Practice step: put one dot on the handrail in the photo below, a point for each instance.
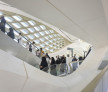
(92, 85)
(69, 64)
(21, 35)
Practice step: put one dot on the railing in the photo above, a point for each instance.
(62, 69)
(21, 35)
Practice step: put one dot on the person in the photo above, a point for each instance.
(2, 24)
(11, 33)
(53, 66)
(38, 53)
(74, 58)
(32, 47)
(63, 64)
(20, 39)
(41, 52)
(44, 64)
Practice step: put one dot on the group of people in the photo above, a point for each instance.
(57, 65)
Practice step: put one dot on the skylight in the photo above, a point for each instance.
(31, 36)
(47, 48)
(42, 45)
(42, 33)
(47, 37)
(7, 26)
(31, 30)
(37, 35)
(17, 25)
(25, 31)
(51, 45)
(47, 43)
(37, 28)
(16, 33)
(51, 50)
(42, 27)
(51, 36)
(37, 41)
(25, 24)
(24, 39)
(55, 35)
(1, 13)
(9, 19)
(42, 39)
(32, 22)
(51, 41)
(18, 18)
(51, 31)
(47, 32)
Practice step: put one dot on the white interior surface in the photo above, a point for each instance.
(84, 19)
(9, 45)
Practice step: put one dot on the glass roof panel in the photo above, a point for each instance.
(47, 48)
(37, 35)
(42, 45)
(42, 27)
(47, 43)
(47, 32)
(37, 41)
(1, 13)
(51, 50)
(31, 30)
(51, 36)
(7, 26)
(9, 19)
(25, 24)
(55, 35)
(47, 37)
(51, 31)
(51, 41)
(42, 33)
(17, 25)
(31, 36)
(25, 31)
(37, 28)
(42, 39)
(16, 33)
(32, 22)
(24, 39)
(18, 18)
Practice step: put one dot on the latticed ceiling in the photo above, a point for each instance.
(43, 36)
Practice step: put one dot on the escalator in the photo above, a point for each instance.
(9, 45)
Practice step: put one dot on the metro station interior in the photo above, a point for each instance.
(68, 28)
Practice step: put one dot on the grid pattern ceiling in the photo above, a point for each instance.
(43, 36)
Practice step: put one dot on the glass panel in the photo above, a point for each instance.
(25, 24)
(24, 39)
(51, 36)
(51, 50)
(25, 31)
(16, 33)
(51, 31)
(32, 22)
(18, 18)
(51, 45)
(7, 26)
(47, 32)
(42, 33)
(37, 41)
(42, 39)
(9, 19)
(17, 25)
(37, 35)
(31, 30)
(37, 28)
(55, 35)
(47, 37)
(1, 13)
(42, 45)
(43, 27)
(47, 48)
(31, 36)
(47, 43)
(51, 41)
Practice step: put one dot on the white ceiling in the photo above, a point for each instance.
(82, 18)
